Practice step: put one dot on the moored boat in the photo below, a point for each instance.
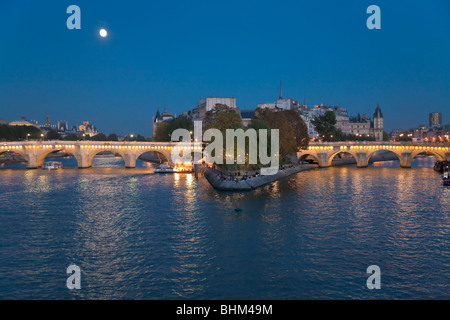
(446, 178)
(52, 165)
(164, 168)
(442, 166)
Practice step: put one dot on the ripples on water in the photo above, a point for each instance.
(137, 235)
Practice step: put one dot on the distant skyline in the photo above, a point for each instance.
(172, 54)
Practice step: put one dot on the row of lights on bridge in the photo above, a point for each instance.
(379, 147)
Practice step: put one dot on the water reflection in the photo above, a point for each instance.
(140, 235)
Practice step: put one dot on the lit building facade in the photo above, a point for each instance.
(435, 119)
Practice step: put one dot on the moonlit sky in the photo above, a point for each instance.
(171, 54)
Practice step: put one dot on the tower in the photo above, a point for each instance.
(281, 92)
(378, 128)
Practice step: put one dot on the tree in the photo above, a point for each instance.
(293, 131)
(112, 137)
(71, 137)
(53, 135)
(140, 138)
(165, 129)
(18, 133)
(99, 137)
(404, 136)
(221, 117)
(325, 125)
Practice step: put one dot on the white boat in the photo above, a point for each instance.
(164, 168)
(446, 178)
(52, 165)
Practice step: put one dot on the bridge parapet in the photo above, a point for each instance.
(84, 151)
(362, 151)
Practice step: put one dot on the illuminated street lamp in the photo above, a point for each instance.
(28, 136)
(42, 136)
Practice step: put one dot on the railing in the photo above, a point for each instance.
(381, 143)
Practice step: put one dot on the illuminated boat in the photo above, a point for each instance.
(446, 178)
(52, 165)
(442, 166)
(164, 168)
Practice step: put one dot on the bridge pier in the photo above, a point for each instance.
(32, 161)
(362, 161)
(405, 160)
(323, 159)
(83, 160)
(130, 159)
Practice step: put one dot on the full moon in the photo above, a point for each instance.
(103, 33)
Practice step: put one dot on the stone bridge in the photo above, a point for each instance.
(34, 152)
(363, 151)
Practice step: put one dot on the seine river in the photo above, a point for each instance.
(139, 235)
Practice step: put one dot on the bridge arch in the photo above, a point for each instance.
(439, 156)
(95, 152)
(13, 150)
(350, 152)
(372, 153)
(44, 154)
(165, 154)
(303, 156)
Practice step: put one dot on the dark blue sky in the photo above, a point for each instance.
(170, 54)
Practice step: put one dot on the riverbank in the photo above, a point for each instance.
(217, 180)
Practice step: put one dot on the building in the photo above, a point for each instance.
(342, 119)
(435, 119)
(281, 104)
(63, 126)
(23, 122)
(159, 118)
(378, 125)
(395, 133)
(360, 125)
(87, 129)
(198, 113)
(308, 114)
(3, 121)
(210, 102)
(246, 116)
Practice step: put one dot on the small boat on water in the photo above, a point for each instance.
(442, 166)
(164, 168)
(446, 178)
(52, 165)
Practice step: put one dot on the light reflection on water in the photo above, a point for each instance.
(139, 235)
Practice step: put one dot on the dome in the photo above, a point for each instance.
(21, 123)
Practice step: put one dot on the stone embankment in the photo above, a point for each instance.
(219, 182)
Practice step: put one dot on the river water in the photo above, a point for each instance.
(139, 235)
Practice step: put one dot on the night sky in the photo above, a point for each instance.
(171, 54)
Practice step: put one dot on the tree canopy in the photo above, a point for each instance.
(165, 129)
(292, 129)
(221, 117)
(326, 128)
(17, 133)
